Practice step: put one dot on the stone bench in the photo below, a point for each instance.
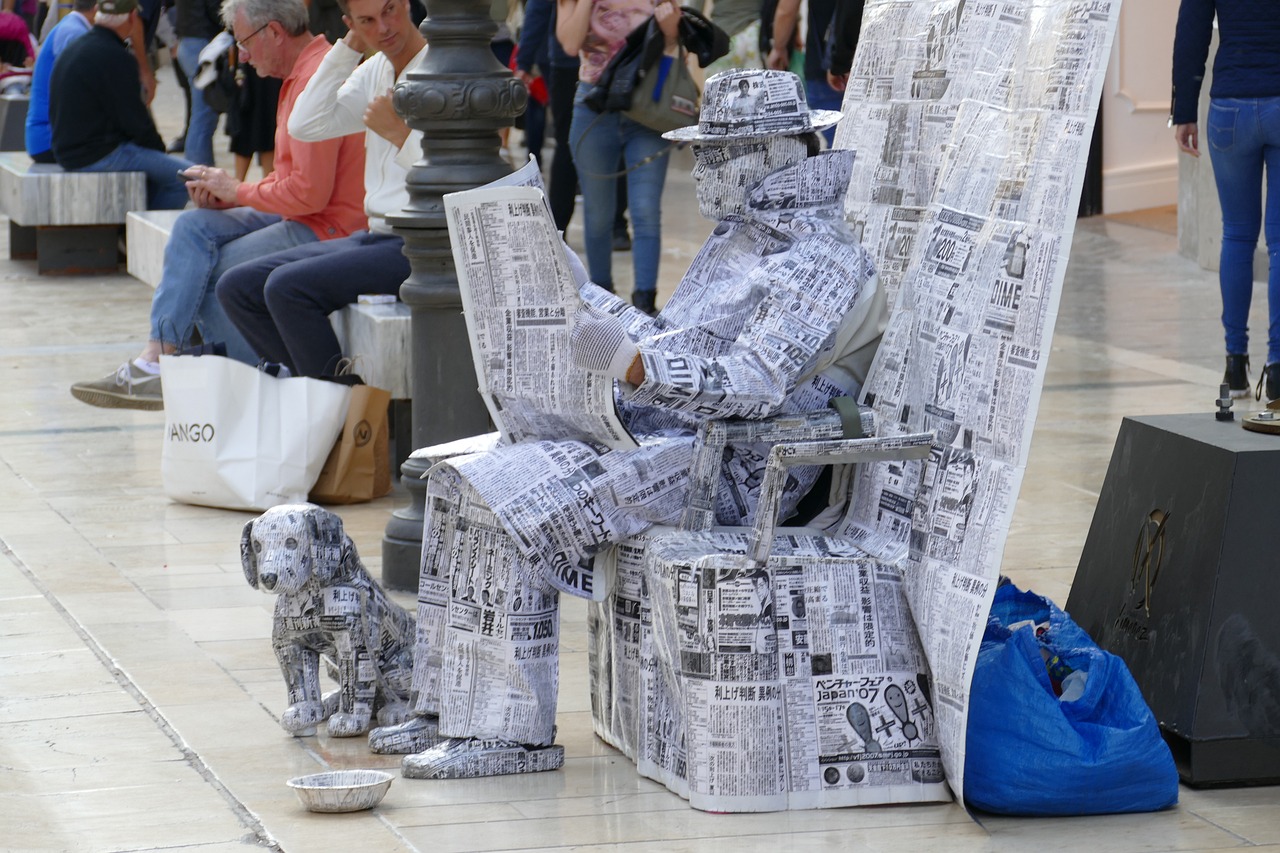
(13, 122)
(145, 234)
(377, 336)
(69, 222)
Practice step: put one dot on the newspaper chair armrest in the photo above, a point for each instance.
(714, 436)
(436, 453)
(855, 450)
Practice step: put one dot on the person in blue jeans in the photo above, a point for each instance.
(819, 43)
(97, 119)
(596, 31)
(196, 23)
(1243, 133)
(562, 81)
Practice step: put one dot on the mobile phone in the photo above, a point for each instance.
(182, 173)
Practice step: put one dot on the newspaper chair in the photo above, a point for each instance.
(757, 669)
(619, 626)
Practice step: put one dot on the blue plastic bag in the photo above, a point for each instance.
(1028, 752)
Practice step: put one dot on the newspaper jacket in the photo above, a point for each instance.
(780, 311)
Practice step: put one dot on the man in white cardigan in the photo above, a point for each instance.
(281, 302)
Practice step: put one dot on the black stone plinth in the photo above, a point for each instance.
(1180, 576)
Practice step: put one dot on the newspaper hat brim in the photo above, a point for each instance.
(818, 120)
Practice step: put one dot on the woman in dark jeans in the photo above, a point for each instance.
(596, 30)
(1243, 133)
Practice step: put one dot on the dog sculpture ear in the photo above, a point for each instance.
(248, 559)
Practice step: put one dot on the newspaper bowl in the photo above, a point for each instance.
(342, 790)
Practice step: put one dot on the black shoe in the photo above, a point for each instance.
(1271, 379)
(644, 300)
(621, 241)
(1237, 376)
(177, 146)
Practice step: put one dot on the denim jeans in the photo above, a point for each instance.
(596, 140)
(205, 244)
(821, 96)
(165, 190)
(1244, 142)
(204, 121)
(281, 302)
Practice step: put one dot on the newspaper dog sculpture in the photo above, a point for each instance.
(329, 605)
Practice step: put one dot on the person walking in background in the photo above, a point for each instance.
(196, 24)
(251, 121)
(1243, 133)
(562, 77)
(531, 63)
(846, 25)
(820, 40)
(596, 30)
(25, 9)
(740, 19)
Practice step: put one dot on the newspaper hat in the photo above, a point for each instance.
(741, 104)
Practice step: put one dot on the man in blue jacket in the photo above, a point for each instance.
(75, 24)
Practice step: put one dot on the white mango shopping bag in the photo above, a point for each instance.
(238, 438)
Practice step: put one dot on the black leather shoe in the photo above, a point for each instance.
(1236, 377)
(644, 300)
(1270, 378)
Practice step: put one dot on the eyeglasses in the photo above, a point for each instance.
(245, 41)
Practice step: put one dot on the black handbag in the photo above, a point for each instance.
(220, 95)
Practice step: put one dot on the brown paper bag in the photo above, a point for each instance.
(359, 466)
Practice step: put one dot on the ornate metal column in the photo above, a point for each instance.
(459, 97)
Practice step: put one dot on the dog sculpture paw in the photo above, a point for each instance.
(300, 719)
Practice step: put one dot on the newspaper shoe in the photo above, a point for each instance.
(416, 734)
(471, 758)
(129, 387)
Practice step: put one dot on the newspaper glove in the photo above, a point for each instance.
(599, 342)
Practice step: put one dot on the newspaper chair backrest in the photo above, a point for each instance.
(852, 450)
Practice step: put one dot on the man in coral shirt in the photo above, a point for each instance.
(315, 193)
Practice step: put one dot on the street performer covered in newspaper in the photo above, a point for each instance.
(781, 311)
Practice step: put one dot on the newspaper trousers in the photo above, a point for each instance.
(487, 658)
